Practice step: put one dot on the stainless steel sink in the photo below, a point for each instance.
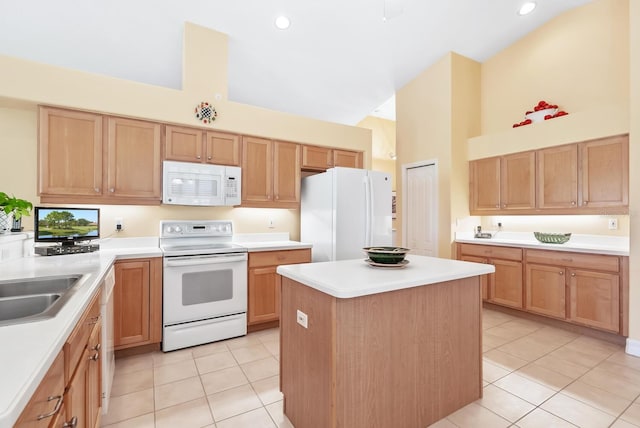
(34, 299)
(14, 308)
(42, 285)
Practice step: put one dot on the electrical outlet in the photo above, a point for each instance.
(119, 224)
(613, 223)
(270, 223)
(302, 319)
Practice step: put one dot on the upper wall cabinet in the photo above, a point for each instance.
(198, 145)
(315, 158)
(591, 177)
(270, 173)
(503, 183)
(90, 158)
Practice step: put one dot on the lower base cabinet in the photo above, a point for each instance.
(137, 303)
(264, 283)
(591, 290)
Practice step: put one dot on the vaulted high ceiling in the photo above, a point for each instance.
(338, 61)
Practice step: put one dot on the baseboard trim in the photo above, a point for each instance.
(633, 347)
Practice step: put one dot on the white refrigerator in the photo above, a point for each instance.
(343, 210)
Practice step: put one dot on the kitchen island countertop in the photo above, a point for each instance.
(355, 278)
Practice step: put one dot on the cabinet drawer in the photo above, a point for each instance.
(47, 397)
(574, 260)
(276, 258)
(491, 251)
(77, 340)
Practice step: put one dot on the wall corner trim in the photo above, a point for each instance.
(633, 347)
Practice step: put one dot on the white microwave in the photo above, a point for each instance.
(185, 183)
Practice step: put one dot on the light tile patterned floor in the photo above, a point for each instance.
(535, 376)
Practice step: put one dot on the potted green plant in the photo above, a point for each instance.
(14, 208)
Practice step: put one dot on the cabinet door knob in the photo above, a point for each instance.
(561, 272)
(586, 202)
(112, 190)
(504, 206)
(209, 157)
(497, 205)
(73, 423)
(573, 274)
(573, 202)
(97, 347)
(198, 157)
(94, 357)
(96, 190)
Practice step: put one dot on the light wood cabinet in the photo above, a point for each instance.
(504, 286)
(90, 158)
(585, 289)
(137, 302)
(94, 377)
(270, 173)
(316, 158)
(558, 177)
(69, 153)
(485, 185)
(133, 160)
(201, 146)
(605, 172)
(503, 183)
(518, 181)
(264, 283)
(545, 290)
(579, 178)
(47, 401)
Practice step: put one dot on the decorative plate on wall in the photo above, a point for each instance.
(206, 112)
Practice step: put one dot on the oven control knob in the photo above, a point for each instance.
(178, 229)
(169, 229)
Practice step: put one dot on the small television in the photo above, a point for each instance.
(66, 225)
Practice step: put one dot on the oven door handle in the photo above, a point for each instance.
(204, 260)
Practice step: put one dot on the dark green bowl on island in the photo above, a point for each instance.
(386, 255)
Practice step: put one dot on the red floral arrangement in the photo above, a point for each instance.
(542, 111)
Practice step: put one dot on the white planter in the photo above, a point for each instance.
(5, 222)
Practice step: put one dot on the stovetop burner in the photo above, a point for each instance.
(190, 237)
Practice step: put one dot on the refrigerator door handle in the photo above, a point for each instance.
(368, 209)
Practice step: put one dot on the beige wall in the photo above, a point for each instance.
(436, 113)
(34, 83)
(579, 60)
(634, 175)
(383, 137)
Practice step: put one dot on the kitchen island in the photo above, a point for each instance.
(380, 347)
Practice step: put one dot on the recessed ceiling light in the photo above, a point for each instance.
(527, 8)
(282, 22)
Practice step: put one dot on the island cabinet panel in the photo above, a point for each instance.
(404, 358)
(605, 172)
(484, 279)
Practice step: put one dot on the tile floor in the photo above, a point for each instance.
(535, 376)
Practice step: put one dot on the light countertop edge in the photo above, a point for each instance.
(568, 246)
(329, 277)
(35, 345)
(272, 245)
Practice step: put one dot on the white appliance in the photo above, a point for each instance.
(186, 183)
(204, 295)
(343, 210)
(108, 355)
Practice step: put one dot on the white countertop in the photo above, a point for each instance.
(354, 278)
(28, 350)
(597, 244)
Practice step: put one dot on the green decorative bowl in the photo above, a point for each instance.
(552, 238)
(386, 255)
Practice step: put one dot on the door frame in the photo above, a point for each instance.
(405, 167)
